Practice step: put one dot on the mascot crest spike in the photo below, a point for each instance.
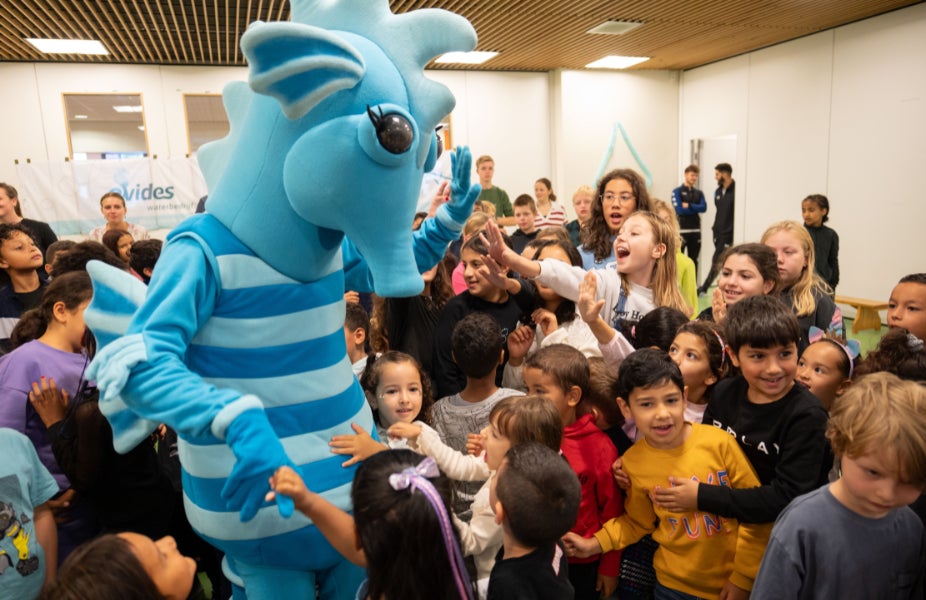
(238, 342)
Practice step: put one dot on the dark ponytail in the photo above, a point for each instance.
(71, 288)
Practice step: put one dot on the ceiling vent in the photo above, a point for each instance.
(615, 27)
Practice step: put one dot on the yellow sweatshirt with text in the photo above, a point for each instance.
(698, 552)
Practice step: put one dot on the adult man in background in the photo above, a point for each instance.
(689, 202)
(723, 220)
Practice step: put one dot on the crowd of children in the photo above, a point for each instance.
(553, 420)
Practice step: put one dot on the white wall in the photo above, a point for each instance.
(842, 113)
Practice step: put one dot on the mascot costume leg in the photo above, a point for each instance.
(238, 342)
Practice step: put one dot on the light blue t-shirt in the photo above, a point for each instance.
(24, 484)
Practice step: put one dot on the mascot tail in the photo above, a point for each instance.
(116, 297)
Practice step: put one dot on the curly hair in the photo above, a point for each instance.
(597, 236)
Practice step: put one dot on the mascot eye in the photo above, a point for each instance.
(393, 130)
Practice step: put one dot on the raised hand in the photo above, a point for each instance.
(462, 194)
(408, 431)
(588, 306)
(546, 319)
(718, 306)
(519, 343)
(48, 401)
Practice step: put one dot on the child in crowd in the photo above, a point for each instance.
(28, 537)
(554, 318)
(599, 402)
(801, 288)
(560, 373)
(51, 338)
(119, 243)
(474, 224)
(502, 298)
(687, 277)
(827, 365)
(550, 212)
(525, 211)
(409, 322)
(399, 392)
(856, 538)
(644, 279)
(620, 193)
(492, 194)
(701, 355)
(400, 530)
(478, 347)
(745, 270)
(80, 254)
(700, 554)
(582, 203)
(816, 211)
(898, 352)
(536, 500)
(20, 256)
(356, 332)
(143, 256)
(514, 421)
(59, 248)
(778, 424)
(125, 565)
(907, 305)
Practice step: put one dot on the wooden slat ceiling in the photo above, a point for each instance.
(531, 35)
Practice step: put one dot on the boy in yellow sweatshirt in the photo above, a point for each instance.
(700, 555)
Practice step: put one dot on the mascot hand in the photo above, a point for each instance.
(462, 194)
(258, 453)
(113, 364)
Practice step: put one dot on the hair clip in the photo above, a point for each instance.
(914, 343)
(852, 348)
(723, 348)
(416, 478)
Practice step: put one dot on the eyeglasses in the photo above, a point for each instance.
(621, 198)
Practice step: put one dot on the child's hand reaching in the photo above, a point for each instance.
(580, 547)
(519, 343)
(475, 443)
(681, 497)
(288, 483)
(360, 446)
(546, 319)
(494, 273)
(588, 306)
(409, 431)
(620, 477)
(48, 401)
(492, 236)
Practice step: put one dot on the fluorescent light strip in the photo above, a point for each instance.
(465, 58)
(52, 46)
(128, 108)
(616, 62)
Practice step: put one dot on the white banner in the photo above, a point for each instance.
(159, 193)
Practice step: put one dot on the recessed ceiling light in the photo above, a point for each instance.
(615, 27)
(80, 116)
(133, 108)
(616, 62)
(141, 127)
(465, 58)
(50, 46)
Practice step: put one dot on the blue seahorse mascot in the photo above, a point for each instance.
(238, 342)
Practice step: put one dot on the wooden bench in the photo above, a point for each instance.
(866, 312)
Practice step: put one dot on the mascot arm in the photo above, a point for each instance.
(162, 387)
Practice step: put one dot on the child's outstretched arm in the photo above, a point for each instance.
(455, 465)
(505, 256)
(360, 445)
(612, 343)
(336, 525)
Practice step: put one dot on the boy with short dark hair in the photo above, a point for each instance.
(561, 373)
(142, 257)
(700, 555)
(356, 332)
(20, 256)
(525, 212)
(778, 423)
(535, 496)
(478, 348)
(860, 522)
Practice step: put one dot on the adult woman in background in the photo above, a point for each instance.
(112, 205)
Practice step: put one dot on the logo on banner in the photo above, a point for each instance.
(138, 191)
